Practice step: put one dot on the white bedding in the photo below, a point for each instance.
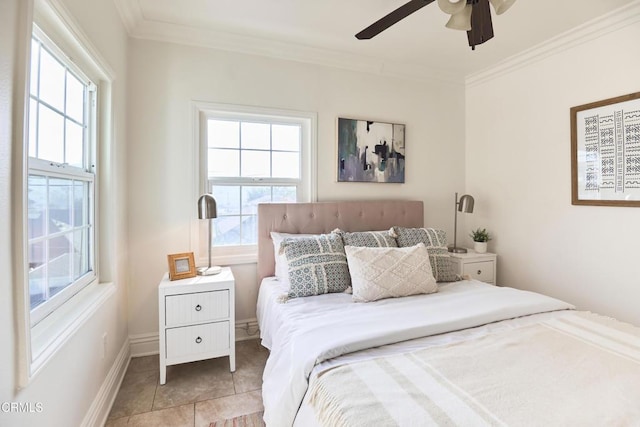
(314, 333)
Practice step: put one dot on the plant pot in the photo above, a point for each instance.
(480, 247)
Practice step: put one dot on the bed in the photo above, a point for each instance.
(468, 354)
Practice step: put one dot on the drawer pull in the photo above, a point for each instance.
(479, 272)
(198, 340)
(198, 307)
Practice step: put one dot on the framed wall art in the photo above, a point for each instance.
(181, 266)
(370, 151)
(605, 152)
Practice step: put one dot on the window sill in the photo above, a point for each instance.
(49, 335)
(234, 259)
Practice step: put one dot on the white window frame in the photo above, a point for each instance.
(306, 185)
(39, 343)
(50, 169)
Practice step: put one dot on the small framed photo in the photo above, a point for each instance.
(181, 266)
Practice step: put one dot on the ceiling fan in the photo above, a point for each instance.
(472, 16)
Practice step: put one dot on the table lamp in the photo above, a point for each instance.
(465, 204)
(207, 210)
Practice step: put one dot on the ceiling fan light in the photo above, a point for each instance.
(461, 20)
(501, 6)
(451, 7)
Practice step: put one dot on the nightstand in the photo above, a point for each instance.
(477, 266)
(197, 319)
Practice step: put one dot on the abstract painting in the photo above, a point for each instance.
(370, 151)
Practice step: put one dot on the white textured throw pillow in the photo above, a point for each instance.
(378, 273)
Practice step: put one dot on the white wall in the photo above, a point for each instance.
(518, 167)
(68, 384)
(164, 78)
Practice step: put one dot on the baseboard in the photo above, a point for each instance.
(101, 405)
(144, 344)
(247, 329)
(148, 344)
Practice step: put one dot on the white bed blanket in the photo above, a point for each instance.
(516, 377)
(312, 332)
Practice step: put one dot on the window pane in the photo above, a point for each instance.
(256, 164)
(80, 253)
(80, 203)
(50, 135)
(249, 230)
(256, 136)
(263, 166)
(35, 54)
(286, 164)
(33, 123)
(37, 274)
(52, 75)
(285, 137)
(37, 198)
(227, 199)
(59, 266)
(75, 98)
(223, 134)
(60, 192)
(223, 162)
(285, 194)
(74, 145)
(59, 215)
(251, 196)
(227, 230)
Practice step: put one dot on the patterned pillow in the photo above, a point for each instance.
(378, 273)
(317, 265)
(442, 265)
(282, 266)
(371, 239)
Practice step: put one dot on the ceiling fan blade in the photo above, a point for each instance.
(395, 16)
(481, 26)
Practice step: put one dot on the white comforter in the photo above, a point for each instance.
(315, 329)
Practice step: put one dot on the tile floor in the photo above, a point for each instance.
(195, 394)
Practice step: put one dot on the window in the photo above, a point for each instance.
(254, 157)
(61, 179)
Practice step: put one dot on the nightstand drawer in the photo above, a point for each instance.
(482, 271)
(197, 307)
(199, 339)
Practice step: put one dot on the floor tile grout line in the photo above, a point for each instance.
(233, 381)
(155, 393)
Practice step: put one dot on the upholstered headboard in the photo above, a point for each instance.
(323, 217)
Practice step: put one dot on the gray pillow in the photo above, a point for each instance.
(435, 240)
(370, 239)
(317, 265)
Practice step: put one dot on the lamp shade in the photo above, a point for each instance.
(461, 20)
(466, 204)
(452, 7)
(501, 6)
(207, 207)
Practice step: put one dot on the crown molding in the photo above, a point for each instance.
(596, 28)
(130, 13)
(141, 28)
(58, 20)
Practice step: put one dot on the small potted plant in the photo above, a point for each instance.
(480, 238)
